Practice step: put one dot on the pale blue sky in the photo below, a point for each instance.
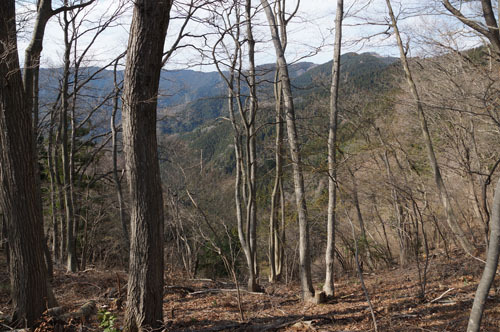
(312, 28)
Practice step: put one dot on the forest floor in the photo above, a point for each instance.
(206, 305)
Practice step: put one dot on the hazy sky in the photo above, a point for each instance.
(310, 32)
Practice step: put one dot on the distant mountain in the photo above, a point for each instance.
(355, 68)
(208, 98)
(358, 70)
(188, 98)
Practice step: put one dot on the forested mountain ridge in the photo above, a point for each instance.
(363, 73)
(189, 98)
(307, 78)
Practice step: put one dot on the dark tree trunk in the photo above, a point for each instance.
(144, 58)
(19, 192)
(4, 245)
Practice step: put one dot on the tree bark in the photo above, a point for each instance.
(490, 267)
(328, 288)
(3, 232)
(52, 176)
(142, 74)
(19, 193)
(293, 141)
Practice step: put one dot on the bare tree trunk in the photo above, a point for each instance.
(116, 178)
(328, 288)
(53, 208)
(304, 251)
(243, 135)
(60, 195)
(458, 233)
(251, 150)
(239, 186)
(48, 256)
(71, 149)
(274, 229)
(68, 202)
(280, 260)
(31, 88)
(19, 193)
(490, 267)
(142, 74)
(277, 233)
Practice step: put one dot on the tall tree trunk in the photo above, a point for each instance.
(19, 192)
(142, 74)
(490, 268)
(243, 234)
(31, 88)
(53, 208)
(33, 52)
(293, 141)
(277, 233)
(458, 233)
(71, 265)
(116, 178)
(72, 142)
(244, 138)
(60, 195)
(251, 150)
(280, 259)
(274, 229)
(332, 154)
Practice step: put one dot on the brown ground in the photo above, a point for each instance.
(214, 306)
